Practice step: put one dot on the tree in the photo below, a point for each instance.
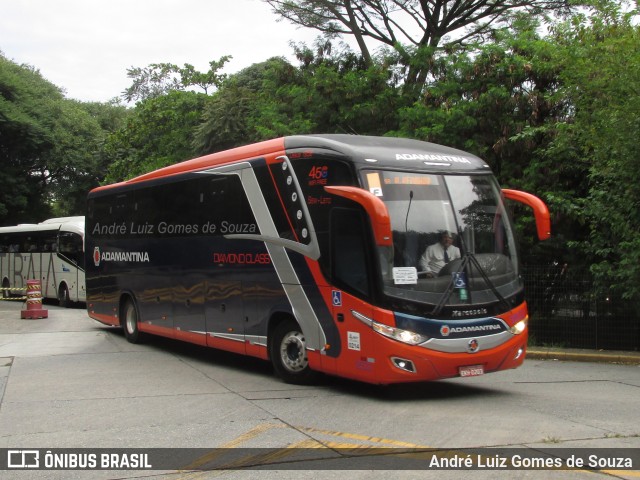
(48, 147)
(24, 137)
(483, 99)
(158, 132)
(331, 91)
(160, 78)
(504, 101)
(225, 120)
(601, 78)
(412, 28)
(84, 163)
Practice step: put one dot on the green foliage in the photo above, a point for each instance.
(433, 24)
(328, 93)
(48, 147)
(161, 78)
(224, 120)
(83, 131)
(226, 117)
(601, 78)
(24, 136)
(501, 102)
(331, 93)
(480, 100)
(158, 132)
(348, 99)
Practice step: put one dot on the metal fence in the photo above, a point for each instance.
(566, 310)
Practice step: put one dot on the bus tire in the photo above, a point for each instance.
(288, 354)
(129, 321)
(63, 296)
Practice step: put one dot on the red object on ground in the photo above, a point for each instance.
(34, 302)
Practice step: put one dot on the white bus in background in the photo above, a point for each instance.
(52, 252)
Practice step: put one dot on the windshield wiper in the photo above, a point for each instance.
(468, 258)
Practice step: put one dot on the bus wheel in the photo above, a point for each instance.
(129, 321)
(63, 296)
(288, 353)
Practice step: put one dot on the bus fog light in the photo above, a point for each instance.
(403, 364)
(519, 327)
(519, 353)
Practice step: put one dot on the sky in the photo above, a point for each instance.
(86, 46)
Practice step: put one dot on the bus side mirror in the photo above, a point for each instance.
(375, 208)
(540, 210)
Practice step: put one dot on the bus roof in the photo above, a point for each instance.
(387, 152)
(391, 152)
(71, 224)
(212, 160)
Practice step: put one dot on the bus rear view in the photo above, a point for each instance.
(383, 260)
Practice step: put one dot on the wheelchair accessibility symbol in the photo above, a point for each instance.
(459, 280)
(336, 298)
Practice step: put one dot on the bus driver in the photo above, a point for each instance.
(438, 255)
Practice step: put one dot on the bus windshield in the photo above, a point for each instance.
(452, 239)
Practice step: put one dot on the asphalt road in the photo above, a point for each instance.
(69, 382)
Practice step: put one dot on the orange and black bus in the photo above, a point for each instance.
(318, 253)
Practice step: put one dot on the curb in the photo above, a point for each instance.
(578, 355)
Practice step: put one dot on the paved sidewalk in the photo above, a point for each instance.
(583, 355)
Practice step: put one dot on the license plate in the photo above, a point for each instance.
(471, 371)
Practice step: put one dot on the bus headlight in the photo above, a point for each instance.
(404, 336)
(519, 327)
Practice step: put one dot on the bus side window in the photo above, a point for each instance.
(50, 242)
(349, 264)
